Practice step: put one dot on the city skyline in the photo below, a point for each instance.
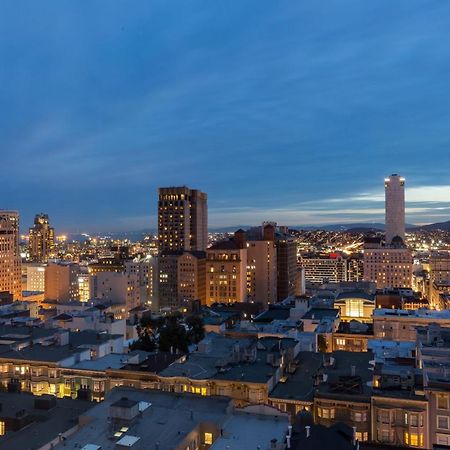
(305, 109)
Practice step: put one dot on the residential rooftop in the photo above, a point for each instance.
(40, 426)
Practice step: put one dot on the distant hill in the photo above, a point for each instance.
(435, 226)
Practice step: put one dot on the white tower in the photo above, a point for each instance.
(395, 208)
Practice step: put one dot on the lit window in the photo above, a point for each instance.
(2, 428)
(208, 438)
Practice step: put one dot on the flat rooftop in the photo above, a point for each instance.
(45, 424)
(417, 313)
(300, 384)
(169, 419)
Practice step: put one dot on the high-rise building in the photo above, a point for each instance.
(262, 271)
(10, 261)
(286, 267)
(182, 219)
(390, 265)
(42, 239)
(395, 209)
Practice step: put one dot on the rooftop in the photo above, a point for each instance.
(42, 425)
(320, 313)
(167, 421)
(299, 385)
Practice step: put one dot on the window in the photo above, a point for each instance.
(442, 402)
(384, 417)
(414, 420)
(340, 341)
(359, 416)
(326, 413)
(2, 428)
(443, 422)
(413, 439)
(443, 439)
(384, 436)
(208, 438)
(362, 436)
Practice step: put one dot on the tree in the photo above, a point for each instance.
(196, 329)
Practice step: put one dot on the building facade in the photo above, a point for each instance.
(61, 281)
(226, 273)
(395, 208)
(182, 219)
(10, 261)
(41, 239)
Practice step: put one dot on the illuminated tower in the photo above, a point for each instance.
(395, 209)
(10, 261)
(42, 239)
(182, 219)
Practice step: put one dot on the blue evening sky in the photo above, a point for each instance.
(292, 111)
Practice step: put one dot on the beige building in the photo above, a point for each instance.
(119, 288)
(226, 273)
(400, 421)
(401, 325)
(41, 239)
(262, 271)
(191, 277)
(61, 281)
(35, 274)
(10, 261)
(182, 219)
(388, 267)
(440, 266)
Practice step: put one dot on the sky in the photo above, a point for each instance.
(291, 111)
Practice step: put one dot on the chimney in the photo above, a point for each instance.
(300, 282)
(308, 431)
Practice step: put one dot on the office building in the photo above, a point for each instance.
(262, 271)
(325, 269)
(395, 209)
(286, 266)
(41, 239)
(10, 261)
(182, 219)
(35, 274)
(61, 281)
